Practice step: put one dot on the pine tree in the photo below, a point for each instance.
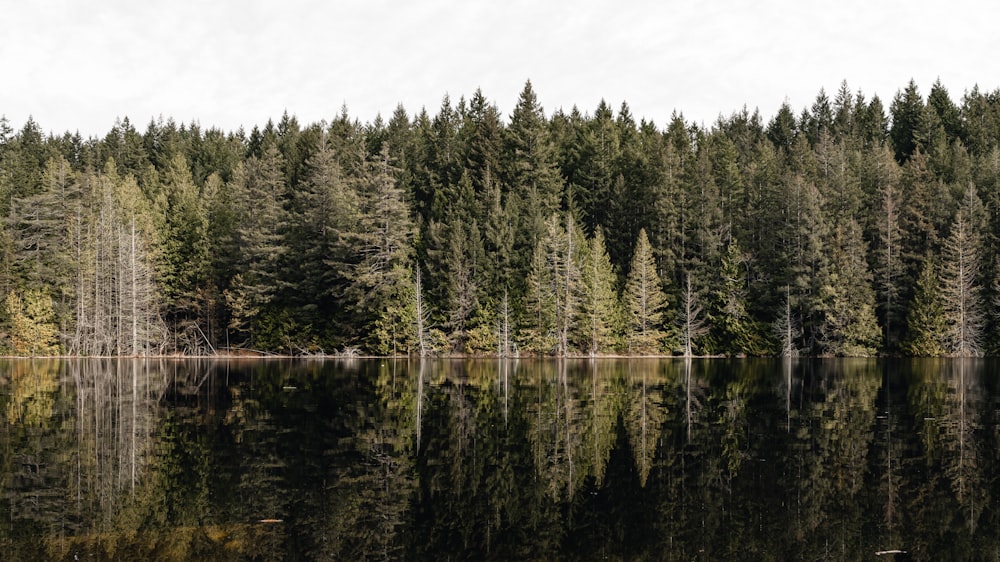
(907, 122)
(846, 301)
(259, 190)
(644, 300)
(737, 331)
(600, 306)
(925, 320)
(381, 281)
(185, 259)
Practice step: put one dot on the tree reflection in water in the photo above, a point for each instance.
(660, 459)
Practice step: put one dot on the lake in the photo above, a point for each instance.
(381, 459)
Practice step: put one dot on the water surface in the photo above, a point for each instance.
(486, 459)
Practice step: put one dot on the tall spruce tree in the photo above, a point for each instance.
(259, 192)
(644, 300)
(846, 302)
(925, 320)
(323, 237)
(382, 280)
(600, 304)
(907, 132)
(736, 331)
(531, 174)
(185, 260)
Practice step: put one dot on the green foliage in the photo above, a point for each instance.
(926, 320)
(846, 300)
(286, 238)
(644, 301)
(601, 309)
(738, 332)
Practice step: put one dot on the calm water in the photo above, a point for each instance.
(481, 460)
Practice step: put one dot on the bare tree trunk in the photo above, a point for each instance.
(422, 315)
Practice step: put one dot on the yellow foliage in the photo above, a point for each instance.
(33, 385)
(33, 329)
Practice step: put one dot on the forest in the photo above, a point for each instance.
(845, 229)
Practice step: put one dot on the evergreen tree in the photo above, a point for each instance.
(946, 111)
(555, 286)
(461, 264)
(886, 235)
(803, 231)
(323, 238)
(925, 320)
(531, 174)
(259, 190)
(600, 304)
(540, 330)
(381, 282)
(846, 301)
(783, 129)
(907, 130)
(736, 330)
(920, 218)
(702, 218)
(33, 330)
(40, 226)
(185, 260)
(644, 300)
(666, 169)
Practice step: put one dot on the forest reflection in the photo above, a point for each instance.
(660, 459)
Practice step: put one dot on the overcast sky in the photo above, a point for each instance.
(76, 65)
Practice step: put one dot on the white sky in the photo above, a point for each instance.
(76, 65)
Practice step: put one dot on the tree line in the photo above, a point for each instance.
(847, 229)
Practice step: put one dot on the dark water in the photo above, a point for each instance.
(481, 460)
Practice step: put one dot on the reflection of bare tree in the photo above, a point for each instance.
(693, 393)
(116, 416)
(889, 468)
(787, 367)
(960, 423)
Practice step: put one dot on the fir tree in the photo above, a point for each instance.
(925, 320)
(644, 300)
(600, 304)
(738, 332)
(848, 326)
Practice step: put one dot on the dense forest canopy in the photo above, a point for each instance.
(850, 229)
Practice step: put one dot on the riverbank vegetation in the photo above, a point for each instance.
(849, 228)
